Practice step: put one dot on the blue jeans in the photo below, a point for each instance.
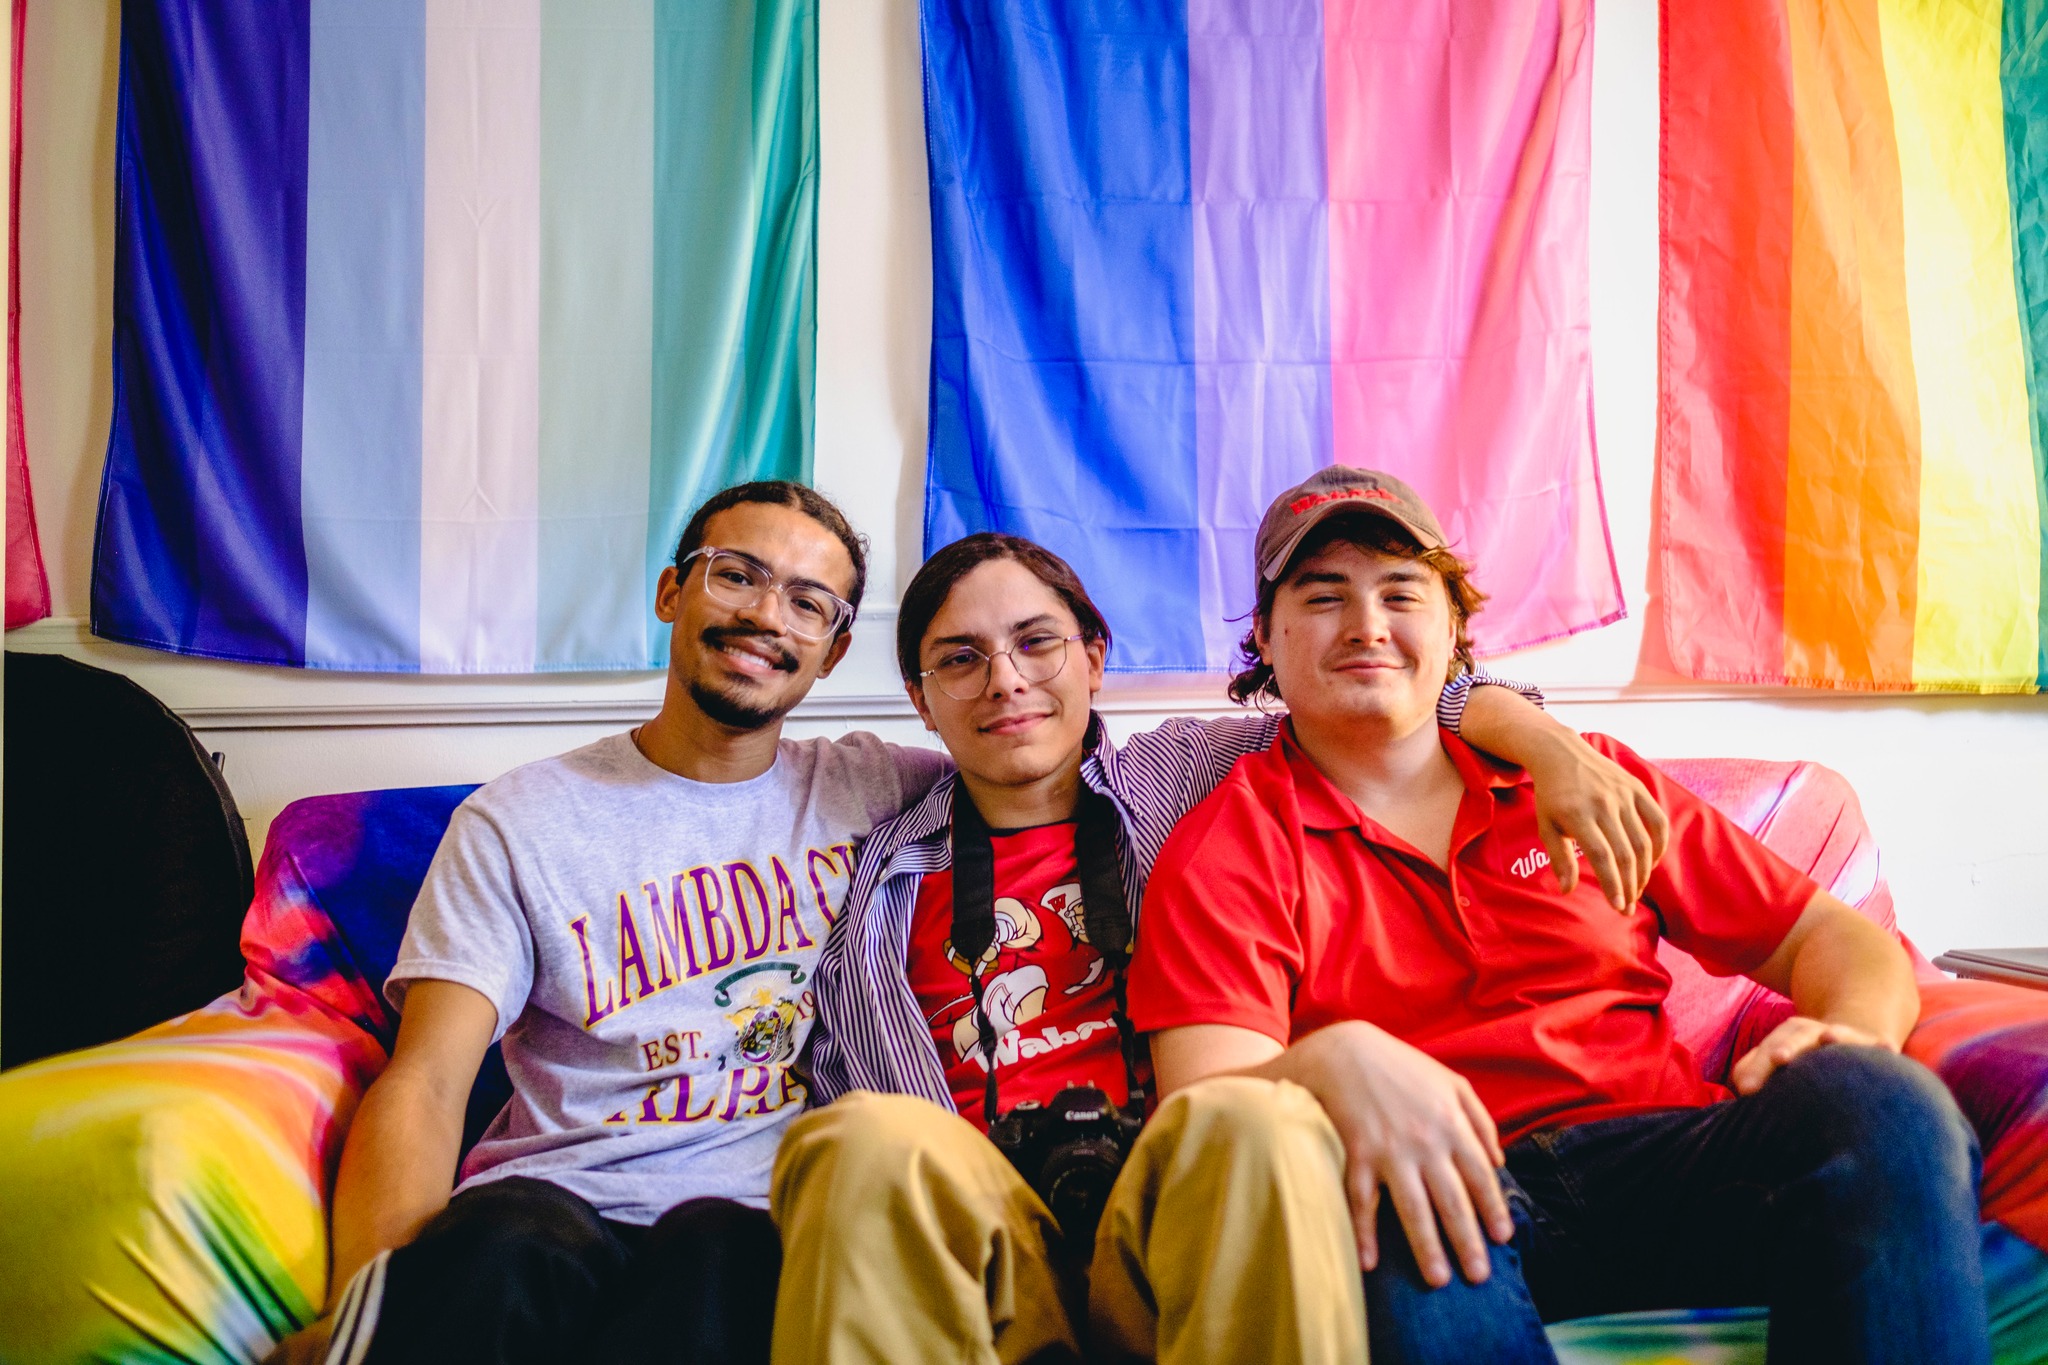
(1842, 1196)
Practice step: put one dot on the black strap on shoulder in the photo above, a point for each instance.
(1105, 911)
(974, 879)
(974, 922)
(1103, 907)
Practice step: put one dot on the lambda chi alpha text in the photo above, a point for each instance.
(704, 920)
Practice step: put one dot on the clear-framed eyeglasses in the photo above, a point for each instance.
(964, 671)
(808, 610)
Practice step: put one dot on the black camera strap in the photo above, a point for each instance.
(1104, 909)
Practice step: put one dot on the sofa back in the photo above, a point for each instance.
(339, 875)
(1809, 816)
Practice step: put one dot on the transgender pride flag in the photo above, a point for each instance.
(1189, 251)
(435, 318)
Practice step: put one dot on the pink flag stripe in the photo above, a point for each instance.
(1459, 145)
(28, 587)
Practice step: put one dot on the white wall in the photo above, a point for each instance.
(1948, 783)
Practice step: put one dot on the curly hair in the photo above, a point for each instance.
(798, 497)
(1254, 683)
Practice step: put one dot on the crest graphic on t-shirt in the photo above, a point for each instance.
(1064, 900)
(766, 1028)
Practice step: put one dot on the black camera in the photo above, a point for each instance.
(1070, 1152)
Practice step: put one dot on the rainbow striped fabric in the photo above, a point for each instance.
(435, 318)
(1186, 252)
(1854, 375)
(166, 1195)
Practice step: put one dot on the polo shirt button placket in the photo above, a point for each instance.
(1461, 900)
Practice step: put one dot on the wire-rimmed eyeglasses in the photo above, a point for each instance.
(964, 672)
(736, 580)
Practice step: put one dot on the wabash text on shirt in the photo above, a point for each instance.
(1049, 994)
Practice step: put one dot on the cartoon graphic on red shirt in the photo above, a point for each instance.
(1048, 993)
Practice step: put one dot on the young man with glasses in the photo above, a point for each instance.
(639, 921)
(942, 1206)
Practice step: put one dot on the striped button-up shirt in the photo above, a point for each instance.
(870, 1033)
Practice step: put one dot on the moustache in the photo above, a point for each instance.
(717, 637)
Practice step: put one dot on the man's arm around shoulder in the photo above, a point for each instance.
(398, 1164)
(1583, 796)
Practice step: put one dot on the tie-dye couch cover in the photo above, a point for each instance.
(162, 1198)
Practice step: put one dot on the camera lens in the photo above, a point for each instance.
(1076, 1179)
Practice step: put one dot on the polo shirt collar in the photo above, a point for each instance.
(1324, 807)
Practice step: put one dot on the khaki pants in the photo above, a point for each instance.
(908, 1237)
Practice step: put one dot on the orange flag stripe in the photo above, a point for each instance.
(1852, 471)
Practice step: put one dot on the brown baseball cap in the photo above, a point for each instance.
(1331, 492)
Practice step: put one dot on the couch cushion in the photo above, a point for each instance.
(1989, 1044)
(337, 881)
(163, 1197)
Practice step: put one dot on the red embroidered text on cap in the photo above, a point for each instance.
(1302, 504)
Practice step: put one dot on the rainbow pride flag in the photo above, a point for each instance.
(1186, 252)
(435, 318)
(1854, 373)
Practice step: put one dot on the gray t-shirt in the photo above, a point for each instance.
(648, 942)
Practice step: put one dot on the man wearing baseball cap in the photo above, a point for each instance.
(1364, 910)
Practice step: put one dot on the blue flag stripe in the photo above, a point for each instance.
(360, 464)
(199, 546)
(1062, 396)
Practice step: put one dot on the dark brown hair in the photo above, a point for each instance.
(1255, 682)
(784, 493)
(934, 583)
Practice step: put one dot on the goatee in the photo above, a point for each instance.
(733, 713)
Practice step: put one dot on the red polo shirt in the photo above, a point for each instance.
(1276, 906)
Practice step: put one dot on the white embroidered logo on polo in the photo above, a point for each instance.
(1530, 863)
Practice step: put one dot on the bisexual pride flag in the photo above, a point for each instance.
(1186, 252)
(434, 319)
(1854, 375)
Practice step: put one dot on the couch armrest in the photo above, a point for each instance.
(1989, 1043)
(165, 1196)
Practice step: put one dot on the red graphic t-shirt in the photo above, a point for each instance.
(1050, 996)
